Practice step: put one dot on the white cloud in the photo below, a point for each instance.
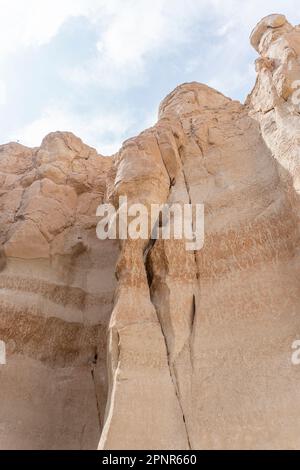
(2, 93)
(30, 22)
(133, 31)
(36, 22)
(130, 34)
(92, 130)
(130, 31)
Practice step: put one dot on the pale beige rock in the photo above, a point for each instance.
(199, 343)
(56, 292)
(267, 24)
(228, 313)
(275, 100)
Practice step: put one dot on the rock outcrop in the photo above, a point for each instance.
(199, 342)
(57, 286)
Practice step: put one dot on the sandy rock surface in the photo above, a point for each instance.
(143, 345)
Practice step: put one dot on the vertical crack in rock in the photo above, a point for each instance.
(170, 366)
(190, 201)
(163, 161)
(175, 384)
(193, 314)
(94, 365)
(171, 358)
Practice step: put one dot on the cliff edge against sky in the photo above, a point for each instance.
(141, 345)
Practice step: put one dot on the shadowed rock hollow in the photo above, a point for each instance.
(198, 344)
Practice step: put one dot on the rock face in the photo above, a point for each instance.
(57, 287)
(199, 342)
(275, 100)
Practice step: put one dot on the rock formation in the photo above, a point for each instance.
(57, 286)
(198, 343)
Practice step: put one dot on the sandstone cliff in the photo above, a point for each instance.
(57, 286)
(199, 343)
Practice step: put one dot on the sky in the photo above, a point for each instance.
(99, 68)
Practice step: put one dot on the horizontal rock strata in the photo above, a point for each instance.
(142, 344)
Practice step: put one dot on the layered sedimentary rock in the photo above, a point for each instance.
(198, 342)
(57, 288)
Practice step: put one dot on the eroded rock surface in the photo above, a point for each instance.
(199, 342)
(57, 287)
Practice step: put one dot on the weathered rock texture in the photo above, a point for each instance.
(57, 287)
(199, 343)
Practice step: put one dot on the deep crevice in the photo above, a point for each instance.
(170, 367)
(94, 364)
